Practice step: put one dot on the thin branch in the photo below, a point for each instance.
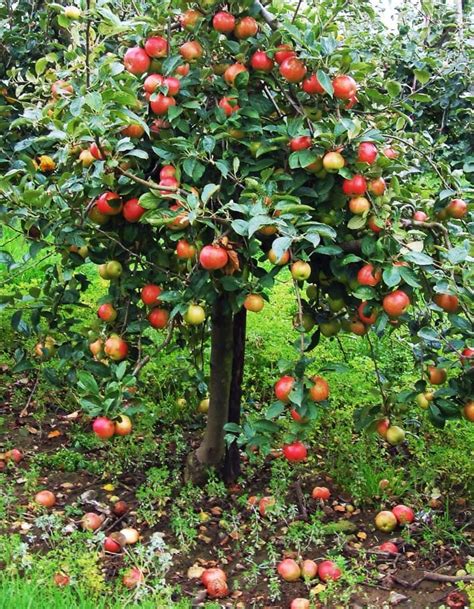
(143, 362)
(300, 312)
(424, 155)
(295, 14)
(437, 226)
(266, 15)
(88, 50)
(377, 371)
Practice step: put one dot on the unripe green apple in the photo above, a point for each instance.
(422, 401)
(195, 315)
(72, 12)
(300, 270)
(113, 269)
(330, 328)
(395, 435)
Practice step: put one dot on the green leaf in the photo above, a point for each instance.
(393, 88)
(421, 97)
(241, 227)
(356, 222)
(120, 371)
(419, 258)
(209, 191)
(409, 276)
(274, 410)
(280, 246)
(457, 254)
(391, 276)
(325, 82)
(422, 76)
(87, 382)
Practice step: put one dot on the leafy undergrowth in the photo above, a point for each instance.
(183, 526)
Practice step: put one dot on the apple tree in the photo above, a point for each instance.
(193, 154)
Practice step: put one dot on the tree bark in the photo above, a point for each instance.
(232, 457)
(212, 449)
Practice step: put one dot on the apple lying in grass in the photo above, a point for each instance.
(403, 514)
(132, 577)
(45, 498)
(328, 570)
(289, 570)
(386, 521)
(321, 492)
(388, 546)
(91, 521)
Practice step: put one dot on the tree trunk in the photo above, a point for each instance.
(212, 448)
(232, 457)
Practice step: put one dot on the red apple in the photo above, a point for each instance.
(103, 427)
(233, 71)
(217, 588)
(333, 161)
(245, 28)
(293, 70)
(345, 87)
(91, 521)
(14, 455)
(156, 46)
(403, 514)
(300, 143)
(150, 294)
(321, 492)
(211, 574)
(284, 51)
(120, 508)
(367, 153)
(132, 210)
(377, 187)
(368, 275)
(264, 503)
(382, 427)
(107, 312)
(261, 62)
(161, 104)
(159, 318)
(185, 250)
(388, 546)
(367, 313)
(254, 303)
(359, 206)
(320, 389)
(447, 302)
(396, 303)
(309, 569)
(457, 208)
(311, 85)
(223, 22)
(420, 216)
(283, 388)
(113, 543)
(132, 578)
(278, 261)
(300, 603)
(355, 186)
(109, 204)
(45, 498)
(136, 61)
(328, 570)
(213, 257)
(229, 105)
(300, 270)
(289, 570)
(294, 452)
(173, 85)
(191, 50)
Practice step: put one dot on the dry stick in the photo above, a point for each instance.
(272, 99)
(24, 412)
(434, 577)
(301, 501)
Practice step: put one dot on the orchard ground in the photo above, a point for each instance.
(182, 526)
